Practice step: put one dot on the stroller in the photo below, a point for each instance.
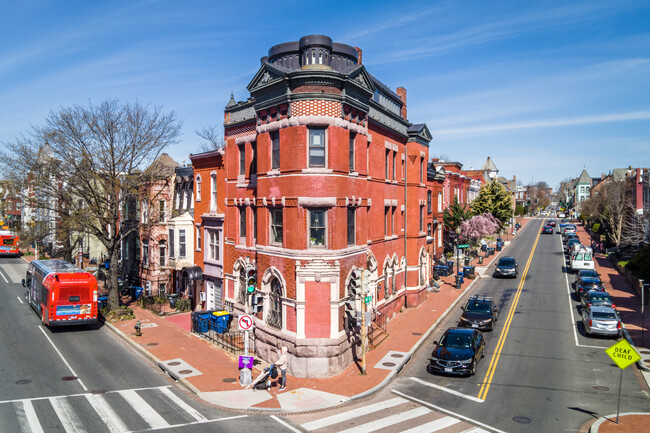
(263, 381)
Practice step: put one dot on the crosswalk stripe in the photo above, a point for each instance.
(143, 409)
(388, 421)
(107, 414)
(180, 403)
(434, 426)
(344, 416)
(27, 418)
(69, 419)
(476, 430)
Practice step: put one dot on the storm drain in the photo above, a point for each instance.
(521, 419)
(393, 360)
(601, 388)
(230, 380)
(178, 369)
(23, 382)
(69, 378)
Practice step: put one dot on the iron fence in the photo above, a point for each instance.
(218, 332)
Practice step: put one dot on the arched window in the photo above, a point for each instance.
(274, 317)
(394, 279)
(241, 298)
(386, 290)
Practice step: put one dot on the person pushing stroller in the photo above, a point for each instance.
(282, 365)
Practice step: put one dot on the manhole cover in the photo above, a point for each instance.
(647, 352)
(416, 333)
(69, 378)
(388, 364)
(601, 388)
(396, 355)
(521, 419)
(23, 382)
(174, 363)
(98, 391)
(230, 380)
(185, 372)
(151, 344)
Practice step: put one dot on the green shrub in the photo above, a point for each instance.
(118, 315)
(640, 264)
(595, 227)
(160, 299)
(623, 263)
(183, 305)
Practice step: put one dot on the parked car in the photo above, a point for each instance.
(588, 273)
(569, 244)
(602, 321)
(506, 267)
(547, 230)
(458, 352)
(479, 312)
(569, 228)
(581, 258)
(597, 298)
(586, 284)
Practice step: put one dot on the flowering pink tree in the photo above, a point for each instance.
(480, 226)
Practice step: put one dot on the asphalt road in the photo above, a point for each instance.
(540, 372)
(85, 379)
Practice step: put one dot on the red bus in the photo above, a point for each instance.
(61, 293)
(9, 243)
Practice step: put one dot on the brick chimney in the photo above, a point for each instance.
(401, 92)
(359, 53)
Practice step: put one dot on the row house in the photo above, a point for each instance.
(324, 174)
(209, 212)
(10, 205)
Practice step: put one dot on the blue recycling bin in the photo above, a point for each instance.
(460, 277)
(450, 265)
(138, 292)
(202, 321)
(219, 321)
(499, 246)
(491, 251)
(102, 302)
(468, 271)
(442, 271)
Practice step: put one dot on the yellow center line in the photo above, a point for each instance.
(482, 394)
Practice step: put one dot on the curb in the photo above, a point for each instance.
(595, 426)
(151, 357)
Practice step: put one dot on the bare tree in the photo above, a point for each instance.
(95, 159)
(212, 138)
(609, 206)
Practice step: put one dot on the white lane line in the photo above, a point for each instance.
(64, 361)
(199, 422)
(4, 278)
(442, 388)
(110, 418)
(27, 418)
(144, 409)
(388, 421)
(180, 403)
(475, 430)
(434, 426)
(287, 425)
(69, 419)
(440, 409)
(19, 300)
(81, 394)
(344, 416)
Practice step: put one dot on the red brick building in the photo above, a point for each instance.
(324, 173)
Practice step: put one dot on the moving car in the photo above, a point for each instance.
(458, 352)
(547, 230)
(551, 223)
(602, 321)
(586, 284)
(597, 298)
(507, 267)
(479, 312)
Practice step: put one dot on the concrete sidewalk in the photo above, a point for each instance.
(213, 374)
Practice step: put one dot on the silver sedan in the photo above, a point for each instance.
(602, 321)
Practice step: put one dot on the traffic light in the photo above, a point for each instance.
(257, 303)
(355, 283)
(351, 313)
(251, 278)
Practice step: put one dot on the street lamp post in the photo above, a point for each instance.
(642, 284)
(457, 258)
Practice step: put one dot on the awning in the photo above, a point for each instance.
(193, 273)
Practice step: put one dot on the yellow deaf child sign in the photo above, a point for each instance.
(623, 354)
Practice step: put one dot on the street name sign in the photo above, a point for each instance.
(367, 299)
(463, 246)
(245, 323)
(623, 354)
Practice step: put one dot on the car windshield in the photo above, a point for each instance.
(603, 315)
(457, 341)
(599, 297)
(478, 307)
(592, 274)
(507, 261)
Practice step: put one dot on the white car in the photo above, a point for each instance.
(581, 259)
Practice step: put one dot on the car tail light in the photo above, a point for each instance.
(614, 306)
(590, 322)
(588, 304)
(618, 325)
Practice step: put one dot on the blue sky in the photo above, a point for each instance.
(545, 88)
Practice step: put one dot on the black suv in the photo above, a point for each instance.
(479, 312)
(458, 352)
(506, 267)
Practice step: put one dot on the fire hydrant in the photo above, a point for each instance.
(138, 329)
